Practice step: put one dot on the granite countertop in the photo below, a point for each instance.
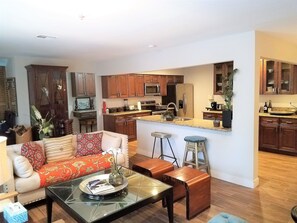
(261, 114)
(195, 123)
(127, 112)
(213, 111)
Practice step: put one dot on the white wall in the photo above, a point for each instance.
(236, 157)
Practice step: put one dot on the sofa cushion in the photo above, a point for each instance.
(89, 144)
(22, 167)
(62, 171)
(109, 142)
(58, 149)
(34, 153)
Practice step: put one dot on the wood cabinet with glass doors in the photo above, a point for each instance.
(277, 77)
(221, 70)
(48, 92)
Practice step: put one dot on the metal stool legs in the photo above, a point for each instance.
(162, 155)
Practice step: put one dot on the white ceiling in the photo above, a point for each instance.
(116, 28)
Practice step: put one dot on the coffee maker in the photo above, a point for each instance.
(213, 105)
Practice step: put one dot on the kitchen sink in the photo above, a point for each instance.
(282, 112)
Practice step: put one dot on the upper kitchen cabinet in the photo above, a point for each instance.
(151, 78)
(136, 85)
(277, 77)
(175, 79)
(163, 85)
(115, 86)
(83, 84)
(48, 90)
(220, 71)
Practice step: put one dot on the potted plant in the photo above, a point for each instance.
(44, 125)
(227, 95)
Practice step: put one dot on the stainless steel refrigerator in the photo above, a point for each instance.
(185, 100)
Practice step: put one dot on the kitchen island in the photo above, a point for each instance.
(189, 122)
(224, 160)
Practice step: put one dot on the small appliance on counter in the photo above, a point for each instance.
(213, 105)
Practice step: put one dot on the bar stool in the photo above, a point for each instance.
(161, 136)
(196, 145)
(294, 213)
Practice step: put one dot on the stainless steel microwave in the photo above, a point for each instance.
(152, 89)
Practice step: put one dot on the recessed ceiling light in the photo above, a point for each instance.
(152, 46)
(46, 37)
(81, 17)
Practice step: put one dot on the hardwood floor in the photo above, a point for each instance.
(270, 202)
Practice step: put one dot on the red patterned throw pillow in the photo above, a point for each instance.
(89, 144)
(34, 153)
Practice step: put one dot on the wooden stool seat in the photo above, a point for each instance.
(192, 183)
(154, 168)
(87, 122)
(196, 145)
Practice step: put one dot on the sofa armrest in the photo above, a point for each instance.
(10, 183)
(124, 145)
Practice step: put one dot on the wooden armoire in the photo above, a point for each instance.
(48, 92)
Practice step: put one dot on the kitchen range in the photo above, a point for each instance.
(156, 109)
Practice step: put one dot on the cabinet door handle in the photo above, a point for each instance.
(289, 122)
(270, 121)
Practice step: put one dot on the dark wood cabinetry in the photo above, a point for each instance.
(269, 132)
(277, 77)
(175, 79)
(163, 85)
(48, 91)
(115, 86)
(278, 135)
(136, 85)
(151, 78)
(288, 135)
(212, 116)
(83, 84)
(124, 124)
(221, 70)
(132, 85)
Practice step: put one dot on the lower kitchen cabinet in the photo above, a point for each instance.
(212, 116)
(124, 124)
(288, 135)
(278, 135)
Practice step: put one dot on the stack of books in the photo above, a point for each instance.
(98, 186)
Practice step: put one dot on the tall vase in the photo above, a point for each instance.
(227, 119)
(116, 179)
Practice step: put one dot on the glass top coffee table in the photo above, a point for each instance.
(141, 190)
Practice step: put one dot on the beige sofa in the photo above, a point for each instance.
(26, 181)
